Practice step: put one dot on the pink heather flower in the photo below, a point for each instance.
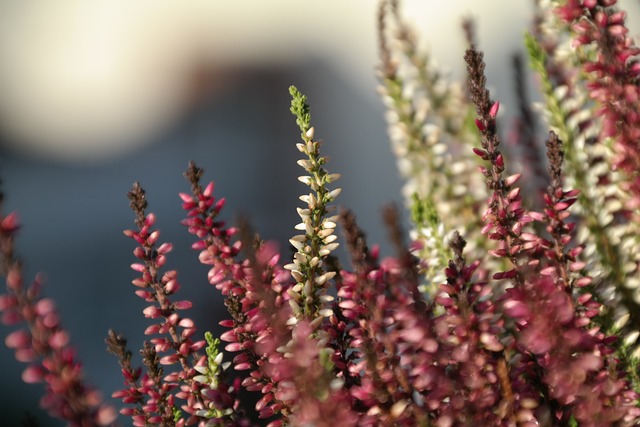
(469, 330)
(172, 347)
(256, 295)
(554, 340)
(320, 400)
(504, 216)
(613, 75)
(388, 364)
(44, 345)
(574, 362)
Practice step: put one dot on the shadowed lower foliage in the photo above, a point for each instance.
(493, 314)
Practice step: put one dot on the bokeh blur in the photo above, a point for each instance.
(97, 94)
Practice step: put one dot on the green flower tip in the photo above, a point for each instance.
(213, 350)
(423, 211)
(300, 109)
(177, 414)
(537, 56)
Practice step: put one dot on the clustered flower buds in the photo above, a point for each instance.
(308, 296)
(175, 369)
(43, 343)
(508, 307)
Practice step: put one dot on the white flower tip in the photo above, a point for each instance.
(332, 177)
(296, 244)
(202, 379)
(333, 194)
(291, 321)
(310, 132)
(631, 338)
(304, 179)
(398, 408)
(326, 312)
(622, 321)
(201, 369)
(329, 224)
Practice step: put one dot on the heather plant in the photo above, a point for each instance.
(515, 301)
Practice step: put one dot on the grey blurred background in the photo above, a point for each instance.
(95, 95)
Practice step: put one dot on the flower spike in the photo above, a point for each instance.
(318, 240)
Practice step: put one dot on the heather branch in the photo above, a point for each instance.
(135, 392)
(558, 201)
(594, 201)
(156, 289)
(430, 244)
(573, 367)
(469, 29)
(425, 127)
(160, 404)
(612, 83)
(473, 324)
(504, 216)
(362, 259)
(365, 299)
(396, 235)
(309, 296)
(212, 402)
(44, 344)
(255, 291)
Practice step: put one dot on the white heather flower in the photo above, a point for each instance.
(309, 134)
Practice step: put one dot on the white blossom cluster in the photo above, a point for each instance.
(427, 121)
(309, 299)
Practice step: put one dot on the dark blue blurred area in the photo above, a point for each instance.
(244, 138)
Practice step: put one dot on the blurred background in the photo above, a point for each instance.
(97, 94)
